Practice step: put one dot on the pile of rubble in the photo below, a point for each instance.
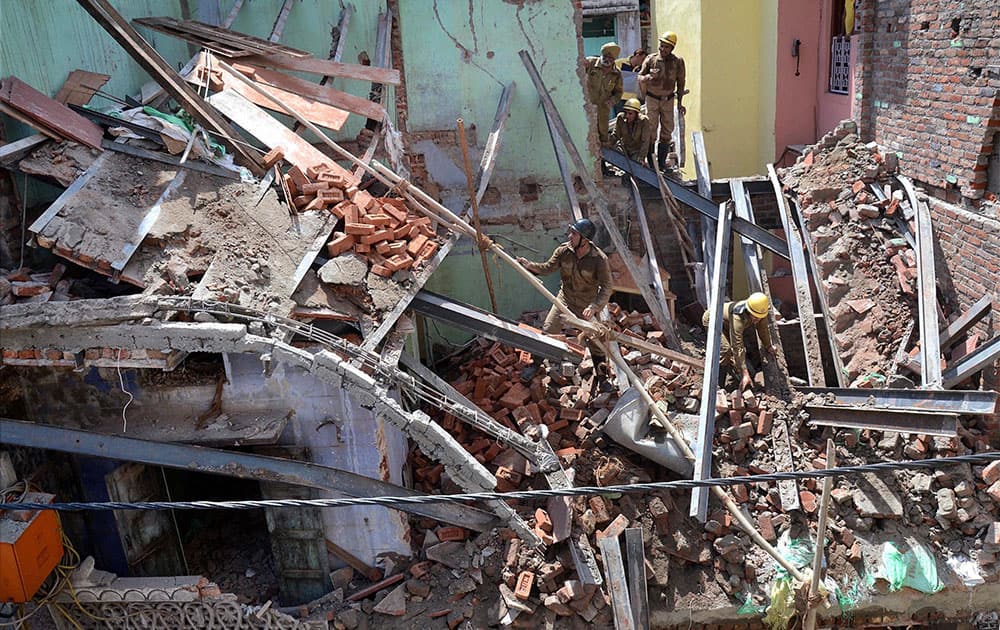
(857, 225)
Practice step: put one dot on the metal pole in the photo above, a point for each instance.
(824, 510)
(475, 211)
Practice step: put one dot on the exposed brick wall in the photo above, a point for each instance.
(928, 76)
(971, 248)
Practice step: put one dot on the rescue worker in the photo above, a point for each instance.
(604, 86)
(584, 289)
(737, 317)
(632, 133)
(662, 77)
(630, 65)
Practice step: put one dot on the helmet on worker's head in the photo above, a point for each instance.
(633, 105)
(669, 37)
(758, 304)
(612, 49)
(585, 228)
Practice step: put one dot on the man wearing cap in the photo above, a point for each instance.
(662, 75)
(586, 282)
(632, 133)
(604, 86)
(737, 317)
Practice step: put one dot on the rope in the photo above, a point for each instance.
(640, 488)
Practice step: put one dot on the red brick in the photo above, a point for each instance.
(361, 229)
(766, 528)
(525, 582)
(543, 521)
(451, 533)
(339, 244)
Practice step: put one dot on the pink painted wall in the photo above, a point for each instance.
(805, 109)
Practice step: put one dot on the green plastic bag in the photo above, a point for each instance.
(915, 568)
(750, 608)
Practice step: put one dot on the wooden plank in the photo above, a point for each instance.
(327, 68)
(638, 593)
(492, 147)
(14, 151)
(655, 288)
(930, 337)
(377, 92)
(710, 381)
(280, 21)
(199, 32)
(803, 294)
(30, 122)
(611, 553)
(272, 133)
(818, 563)
(80, 87)
(144, 54)
(838, 363)
(315, 91)
(52, 114)
(318, 113)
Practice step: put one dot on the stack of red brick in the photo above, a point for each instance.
(382, 230)
(22, 286)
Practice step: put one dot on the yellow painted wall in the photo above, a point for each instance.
(729, 48)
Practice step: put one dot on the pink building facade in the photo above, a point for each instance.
(814, 81)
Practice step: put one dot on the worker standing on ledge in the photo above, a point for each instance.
(585, 288)
(604, 86)
(662, 77)
(736, 318)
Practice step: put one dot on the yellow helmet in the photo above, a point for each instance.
(612, 48)
(633, 105)
(758, 304)
(669, 37)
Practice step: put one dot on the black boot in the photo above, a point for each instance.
(661, 155)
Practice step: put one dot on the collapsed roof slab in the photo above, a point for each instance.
(232, 464)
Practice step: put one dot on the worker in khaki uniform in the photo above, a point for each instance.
(662, 76)
(737, 317)
(632, 133)
(604, 86)
(585, 288)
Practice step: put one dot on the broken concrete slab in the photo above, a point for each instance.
(349, 269)
(878, 496)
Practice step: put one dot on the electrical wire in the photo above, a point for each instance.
(396, 501)
(121, 381)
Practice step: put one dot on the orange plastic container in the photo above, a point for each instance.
(30, 547)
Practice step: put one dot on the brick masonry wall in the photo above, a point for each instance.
(928, 78)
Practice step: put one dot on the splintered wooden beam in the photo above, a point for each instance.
(144, 54)
(327, 68)
(710, 382)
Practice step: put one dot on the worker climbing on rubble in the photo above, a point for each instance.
(737, 317)
(662, 77)
(584, 289)
(604, 86)
(632, 134)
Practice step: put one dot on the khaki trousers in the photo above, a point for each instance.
(662, 112)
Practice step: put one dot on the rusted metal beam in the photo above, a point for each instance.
(930, 346)
(971, 363)
(614, 568)
(900, 421)
(803, 294)
(958, 401)
(231, 464)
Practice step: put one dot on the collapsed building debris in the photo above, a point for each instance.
(297, 269)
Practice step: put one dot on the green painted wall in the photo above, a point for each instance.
(458, 55)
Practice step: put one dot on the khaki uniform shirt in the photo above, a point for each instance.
(603, 86)
(733, 327)
(668, 75)
(635, 137)
(586, 281)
